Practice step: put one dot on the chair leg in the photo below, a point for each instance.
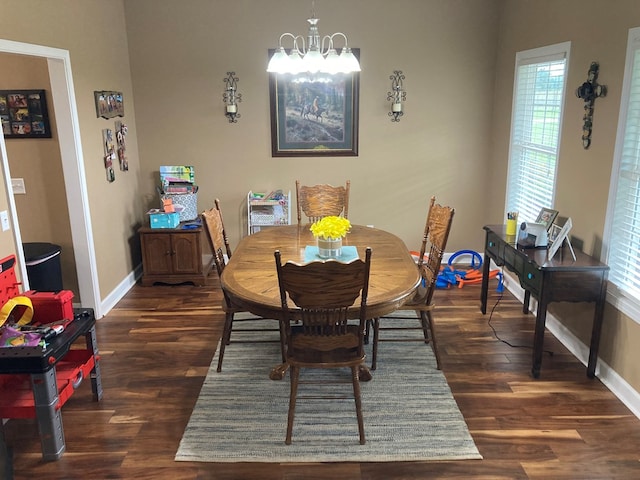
(356, 396)
(226, 338)
(295, 373)
(376, 333)
(427, 319)
(283, 341)
(426, 329)
(367, 329)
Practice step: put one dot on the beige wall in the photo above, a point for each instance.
(596, 34)
(93, 31)
(181, 51)
(42, 211)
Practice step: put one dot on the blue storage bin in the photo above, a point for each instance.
(164, 220)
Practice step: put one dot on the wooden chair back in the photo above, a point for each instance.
(217, 236)
(320, 201)
(322, 293)
(434, 242)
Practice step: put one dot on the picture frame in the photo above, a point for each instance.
(559, 238)
(547, 216)
(24, 114)
(314, 115)
(109, 104)
(554, 231)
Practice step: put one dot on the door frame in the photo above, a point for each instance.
(66, 114)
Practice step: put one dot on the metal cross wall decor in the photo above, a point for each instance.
(589, 91)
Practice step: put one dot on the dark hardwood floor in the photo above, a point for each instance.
(157, 344)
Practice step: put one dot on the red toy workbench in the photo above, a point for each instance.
(36, 382)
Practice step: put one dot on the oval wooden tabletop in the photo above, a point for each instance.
(251, 281)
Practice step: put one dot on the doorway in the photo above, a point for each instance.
(64, 106)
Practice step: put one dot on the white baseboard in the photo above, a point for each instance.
(120, 291)
(608, 376)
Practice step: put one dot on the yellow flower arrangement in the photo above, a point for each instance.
(331, 227)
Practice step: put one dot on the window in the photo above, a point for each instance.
(538, 98)
(622, 232)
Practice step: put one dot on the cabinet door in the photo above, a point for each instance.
(187, 257)
(156, 248)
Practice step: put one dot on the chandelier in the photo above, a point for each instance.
(314, 56)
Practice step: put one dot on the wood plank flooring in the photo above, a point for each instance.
(157, 344)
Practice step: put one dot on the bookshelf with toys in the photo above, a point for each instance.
(268, 210)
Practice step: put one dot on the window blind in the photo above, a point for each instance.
(535, 130)
(623, 234)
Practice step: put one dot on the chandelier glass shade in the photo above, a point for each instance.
(313, 56)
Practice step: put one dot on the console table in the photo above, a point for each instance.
(36, 381)
(559, 280)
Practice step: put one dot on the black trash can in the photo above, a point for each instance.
(43, 266)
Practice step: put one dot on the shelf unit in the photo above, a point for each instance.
(265, 212)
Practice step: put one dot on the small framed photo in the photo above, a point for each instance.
(547, 216)
(109, 104)
(554, 231)
(24, 114)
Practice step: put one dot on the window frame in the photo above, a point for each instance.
(544, 54)
(620, 299)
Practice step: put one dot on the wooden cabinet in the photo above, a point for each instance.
(173, 255)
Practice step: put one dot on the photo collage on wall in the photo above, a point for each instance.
(24, 114)
(110, 104)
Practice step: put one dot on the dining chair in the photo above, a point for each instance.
(219, 243)
(434, 242)
(318, 201)
(317, 333)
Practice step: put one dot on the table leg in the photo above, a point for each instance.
(6, 467)
(527, 299)
(364, 373)
(279, 371)
(96, 377)
(485, 284)
(595, 336)
(538, 339)
(45, 395)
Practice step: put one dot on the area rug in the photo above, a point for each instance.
(409, 411)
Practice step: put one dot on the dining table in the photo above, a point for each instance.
(250, 278)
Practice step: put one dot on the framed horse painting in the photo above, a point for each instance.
(314, 114)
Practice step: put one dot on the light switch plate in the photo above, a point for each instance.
(17, 185)
(4, 219)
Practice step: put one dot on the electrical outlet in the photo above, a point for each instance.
(4, 219)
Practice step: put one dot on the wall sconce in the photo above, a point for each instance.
(231, 97)
(396, 96)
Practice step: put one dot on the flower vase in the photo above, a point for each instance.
(329, 247)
